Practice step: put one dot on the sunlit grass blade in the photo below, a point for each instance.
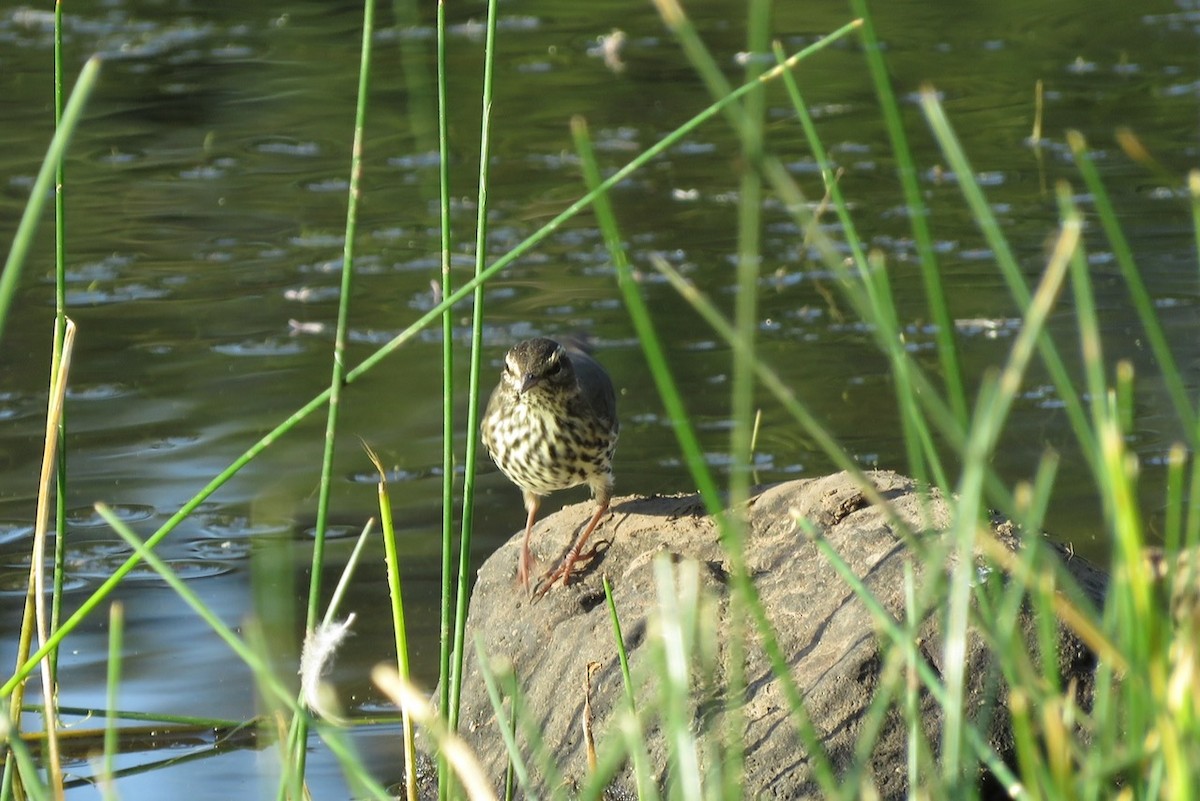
(36, 616)
(399, 623)
(459, 756)
(992, 411)
(1138, 293)
(60, 316)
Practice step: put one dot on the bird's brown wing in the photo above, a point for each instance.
(595, 385)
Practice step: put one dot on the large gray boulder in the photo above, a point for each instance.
(829, 639)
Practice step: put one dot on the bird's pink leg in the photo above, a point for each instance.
(525, 562)
(564, 569)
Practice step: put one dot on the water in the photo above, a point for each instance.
(207, 195)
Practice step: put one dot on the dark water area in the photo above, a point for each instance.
(207, 192)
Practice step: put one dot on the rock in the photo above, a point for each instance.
(826, 634)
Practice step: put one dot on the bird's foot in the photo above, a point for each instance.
(572, 564)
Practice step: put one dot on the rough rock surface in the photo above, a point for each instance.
(825, 632)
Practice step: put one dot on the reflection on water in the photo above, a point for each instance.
(206, 206)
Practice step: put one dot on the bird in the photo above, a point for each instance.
(551, 423)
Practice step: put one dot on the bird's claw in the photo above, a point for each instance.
(568, 568)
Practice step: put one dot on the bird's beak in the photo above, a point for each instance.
(527, 382)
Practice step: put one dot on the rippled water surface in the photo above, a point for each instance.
(206, 202)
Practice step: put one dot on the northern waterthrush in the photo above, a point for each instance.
(551, 424)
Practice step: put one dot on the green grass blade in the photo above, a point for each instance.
(647, 790)
(917, 213)
(338, 369)
(116, 628)
(23, 238)
(60, 314)
(1138, 293)
(1009, 269)
(399, 624)
(473, 390)
(446, 620)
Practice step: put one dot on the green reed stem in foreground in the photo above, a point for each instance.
(642, 772)
(399, 627)
(337, 377)
(262, 671)
(116, 642)
(60, 315)
(1010, 270)
(446, 620)
(473, 390)
(42, 185)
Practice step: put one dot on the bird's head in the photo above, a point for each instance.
(538, 364)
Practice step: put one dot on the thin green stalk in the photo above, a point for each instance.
(915, 204)
(647, 790)
(446, 620)
(22, 762)
(1194, 194)
(399, 624)
(1176, 501)
(742, 403)
(783, 183)
(473, 391)
(116, 628)
(337, 378)
(35, 596)
(504, 725)
(271, 687)
(23, 238)
(685, 434)
(329, 616)
(912, 683)
(183, 721)
(60, 309)
(266, 680)
(678, 594)
(1142, 302)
